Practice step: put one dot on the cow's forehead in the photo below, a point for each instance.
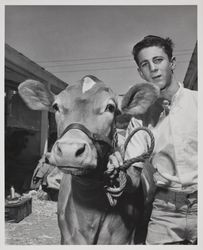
(83, 91)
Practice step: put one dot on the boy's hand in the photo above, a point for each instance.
(115, 161)
(115, 179)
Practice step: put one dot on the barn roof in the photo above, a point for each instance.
(18, 68)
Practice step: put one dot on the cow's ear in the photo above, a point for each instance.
(36, 95)
(117, 112)
(122, 121)
(139, 98)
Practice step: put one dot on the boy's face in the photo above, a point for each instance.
(155, 67)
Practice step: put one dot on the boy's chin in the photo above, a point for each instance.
(164, 95)
(163, 91)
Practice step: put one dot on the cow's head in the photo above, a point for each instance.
(89, 103)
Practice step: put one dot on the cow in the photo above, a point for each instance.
(85, 115)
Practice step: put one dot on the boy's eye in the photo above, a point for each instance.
(144, 64)
(158, 60)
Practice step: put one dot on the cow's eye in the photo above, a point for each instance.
(110, 108)
(55, 107)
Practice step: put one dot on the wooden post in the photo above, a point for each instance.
(44, 129)
(44, 132)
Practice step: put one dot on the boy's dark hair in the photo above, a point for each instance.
(165, 43)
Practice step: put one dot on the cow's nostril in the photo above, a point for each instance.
(46, 159)
(80, 150)
(58, 148)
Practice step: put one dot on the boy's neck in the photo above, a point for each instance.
(171, 90)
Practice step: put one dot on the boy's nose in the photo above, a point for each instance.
(152, 66)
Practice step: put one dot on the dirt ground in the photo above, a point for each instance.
(38, 228)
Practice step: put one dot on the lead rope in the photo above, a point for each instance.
(115, 191)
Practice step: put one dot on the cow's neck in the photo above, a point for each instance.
(89, 181)
(89, 191)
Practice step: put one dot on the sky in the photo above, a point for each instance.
(74, 41)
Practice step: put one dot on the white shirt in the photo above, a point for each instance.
(175, 152)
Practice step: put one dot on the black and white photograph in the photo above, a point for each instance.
(100, 120)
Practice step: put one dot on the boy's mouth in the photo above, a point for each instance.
(163, 88)
(156, 77)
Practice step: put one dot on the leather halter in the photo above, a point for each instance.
(100, 142)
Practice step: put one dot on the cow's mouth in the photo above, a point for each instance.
(75, 170)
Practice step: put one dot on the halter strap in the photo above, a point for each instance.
(93, 136)
(103, 144)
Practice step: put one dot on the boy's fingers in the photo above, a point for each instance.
(119, 158)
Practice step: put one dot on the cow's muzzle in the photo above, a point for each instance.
(102, 144)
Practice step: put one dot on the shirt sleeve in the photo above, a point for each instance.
(138, 144)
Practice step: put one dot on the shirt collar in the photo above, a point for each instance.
(176, 96)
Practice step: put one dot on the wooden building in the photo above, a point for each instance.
(191, 76)
(26, 131)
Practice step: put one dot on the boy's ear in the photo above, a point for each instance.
(173, 63)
